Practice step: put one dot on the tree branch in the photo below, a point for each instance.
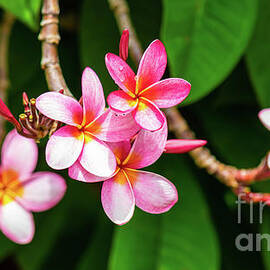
(5, 30)
(49, 35)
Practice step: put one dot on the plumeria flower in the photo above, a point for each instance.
(143, 94)
(129, 186)
(264, 116)
(87, 126)
(22, 191)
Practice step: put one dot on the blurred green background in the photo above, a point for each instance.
(223, 48)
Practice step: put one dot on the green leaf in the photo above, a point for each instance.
(104, 37)
(24, 57)
(205, 39)
(181, 239)
(98, 36)
(92, 257)
(265, 231)
(258, 55)
(26, 11)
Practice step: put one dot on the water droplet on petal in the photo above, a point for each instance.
(121, 68)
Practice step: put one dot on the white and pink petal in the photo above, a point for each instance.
(152, 65)
(153, 193)
(97, 158)
(147, 148)
(92, 94)
(60, 107)
(77, 172)
(117, 199)
(121, 73)
(148, 116)
(42, 191)
(64, 147)
(16, 223)
(168, 92)
(121, 102)
(19, 154)
(264, 116)
(113, 127)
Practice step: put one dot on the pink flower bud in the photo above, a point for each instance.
(5, 112)
(182, 146)
(123, 45)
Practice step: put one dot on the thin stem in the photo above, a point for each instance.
(5, 30)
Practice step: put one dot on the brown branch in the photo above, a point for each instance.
(229, 175)
(49, 35)
(5, 30)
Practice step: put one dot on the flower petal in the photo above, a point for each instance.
(42, 191)
(61, 108)
(16, 223)
(147, 148)
(93, 96)
(180, 146)
(77, 172)
(264, 116)
(97, 158)
(64, 147)
(117, 199)
(114, 127)
(168, 92)
(148, 116)
(153, 193)
(121, 72)
(152, 65)
(19, 154)
(120, 149)
(121, 102)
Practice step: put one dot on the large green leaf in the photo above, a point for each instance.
(258, 55)
(205, 39)
(104, 37)
(181, 239)
(98, 36)
(92, 258)
(25, 10)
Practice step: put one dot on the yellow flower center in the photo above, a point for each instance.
(10, 186)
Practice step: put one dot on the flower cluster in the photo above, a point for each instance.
(110, 145)
(96, 143)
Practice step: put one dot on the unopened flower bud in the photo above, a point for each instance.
(123, 45)
(182, 146)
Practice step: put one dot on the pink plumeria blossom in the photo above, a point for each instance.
(87, 127)
(22, 191)
(143, 94)
(129, 186)
(180, 146)
(264, 116)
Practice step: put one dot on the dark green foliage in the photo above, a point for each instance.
(205, 41)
